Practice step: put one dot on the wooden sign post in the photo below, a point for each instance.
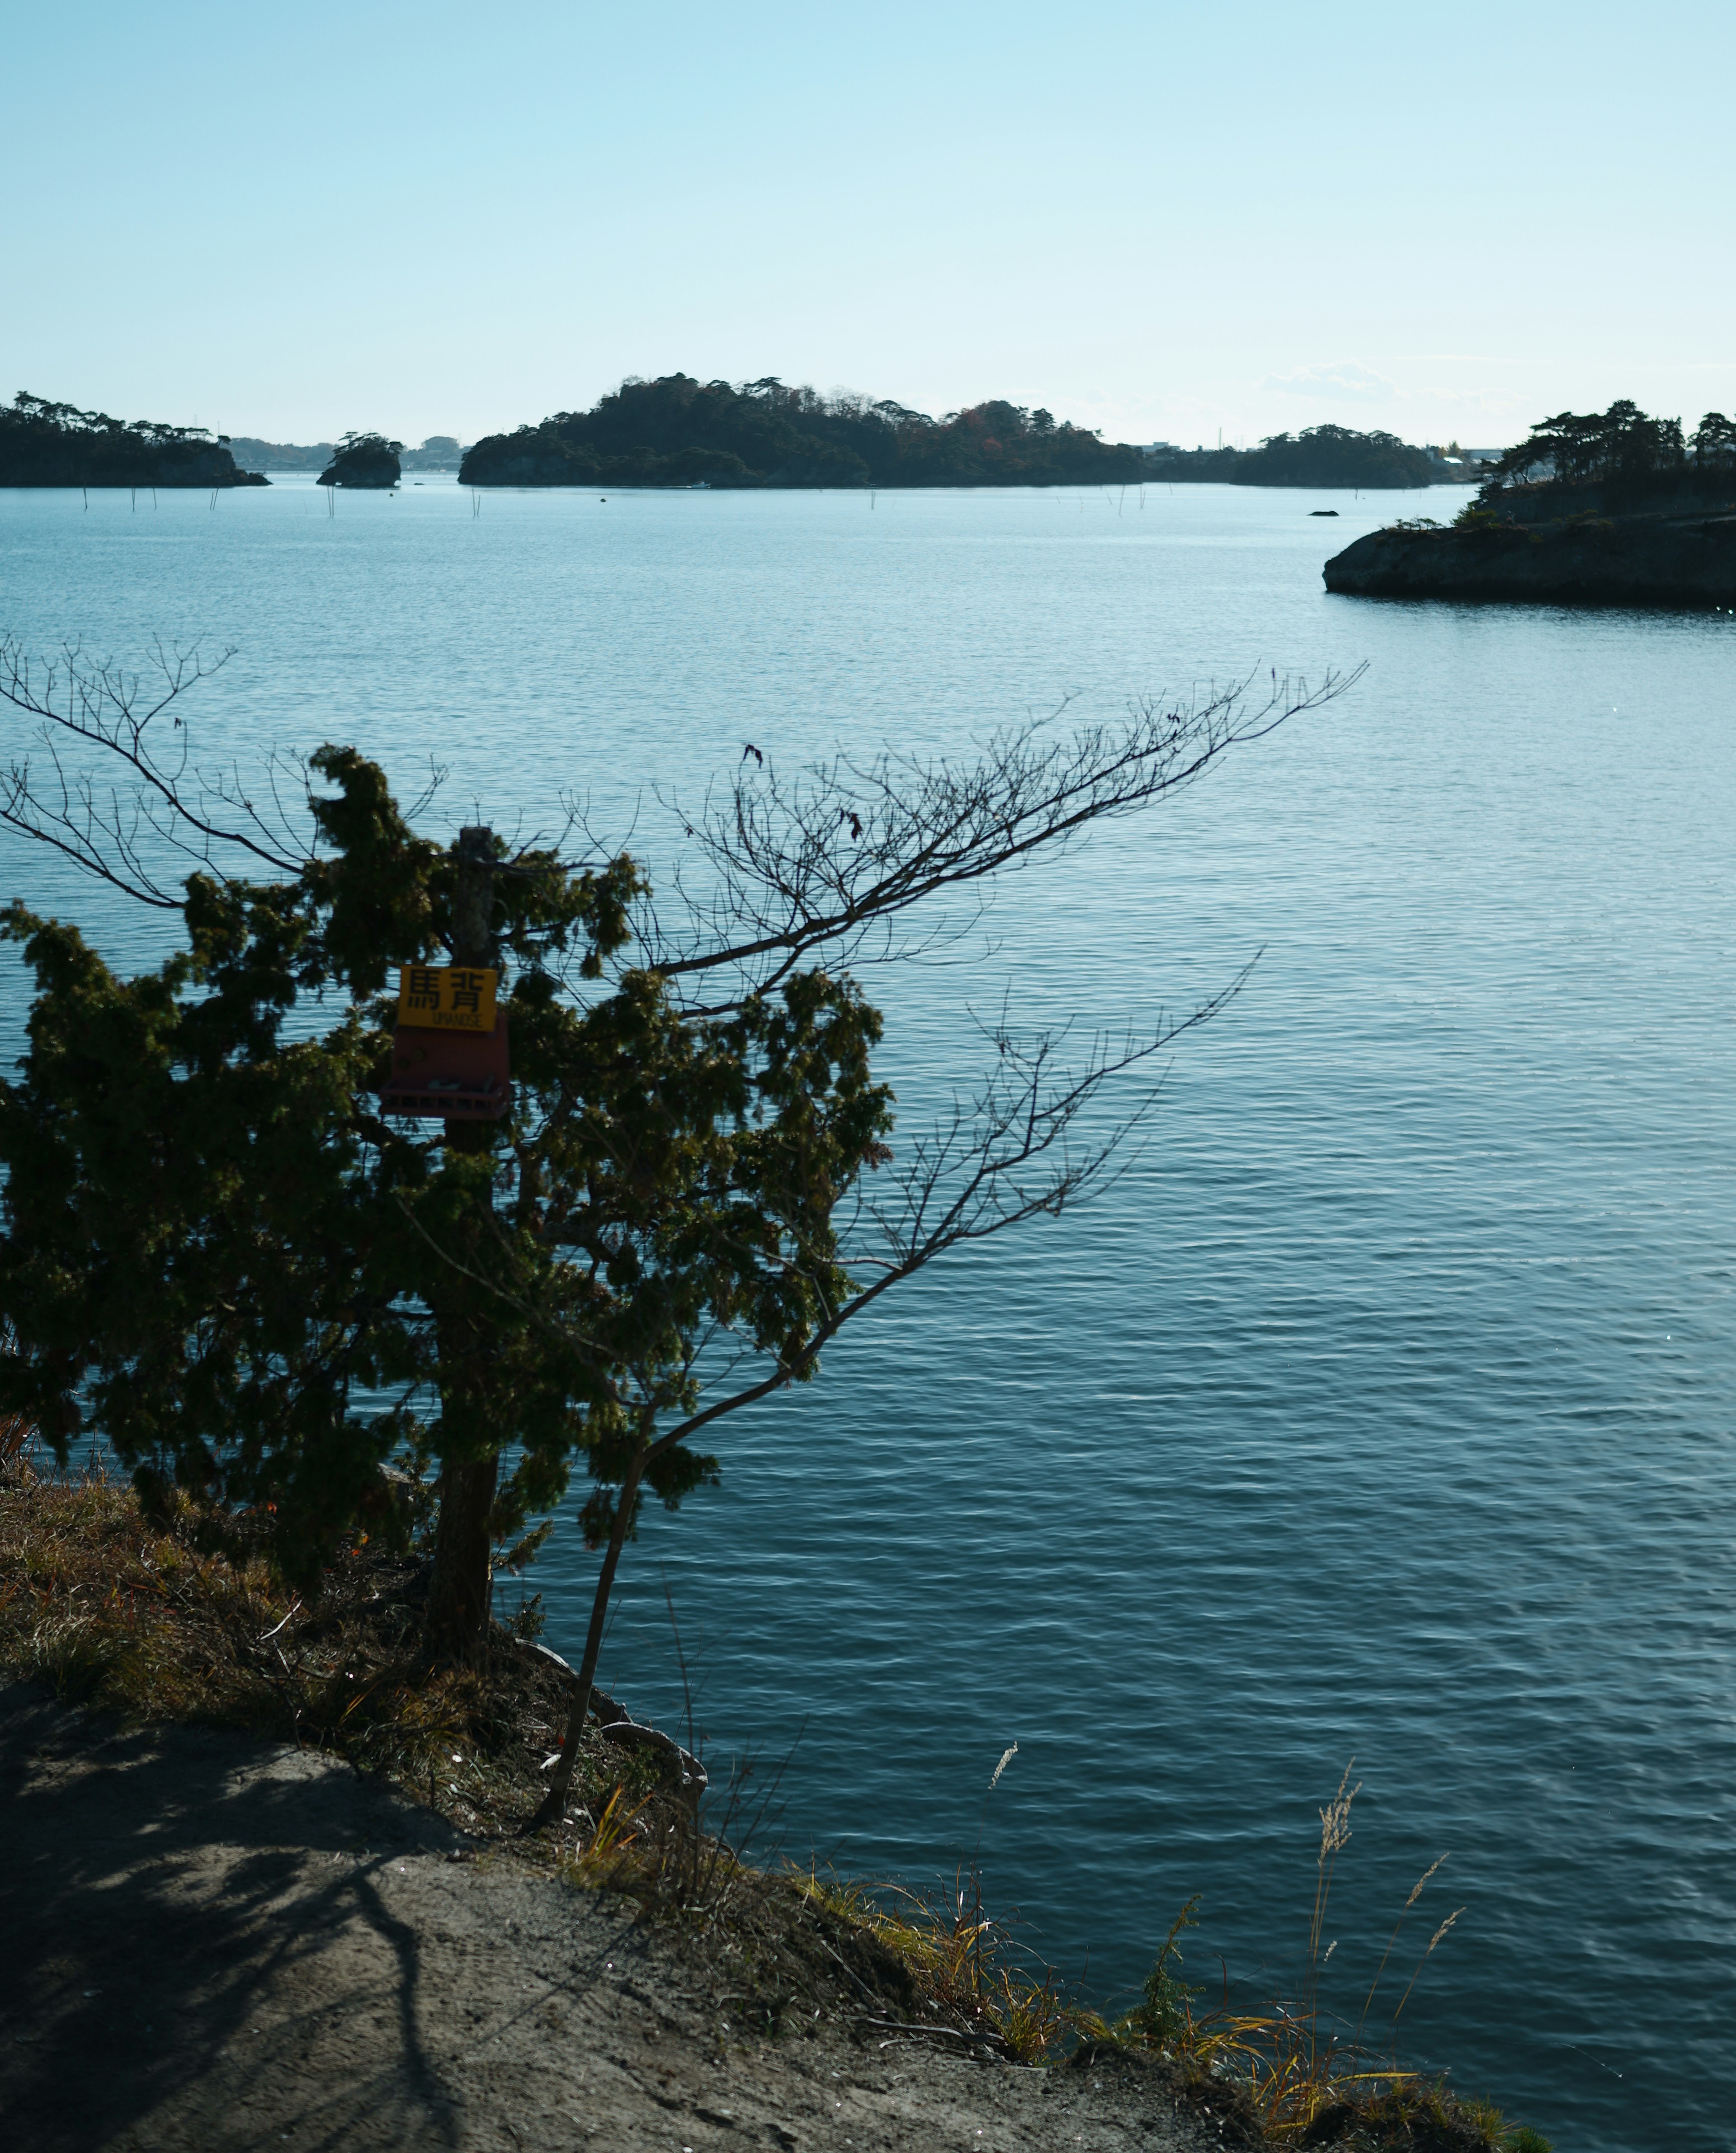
(450, 1061)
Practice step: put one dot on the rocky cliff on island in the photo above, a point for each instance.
(1613, 509)
(44, 444)
(1584, 560)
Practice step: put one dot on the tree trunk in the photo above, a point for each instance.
(460, 1594)
(554, 1803)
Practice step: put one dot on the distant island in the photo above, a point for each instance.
(282, 455)
(678, 431)
(368, 461)
(45, 443)
(1596, 508)
(1321, 457)
(439, 452)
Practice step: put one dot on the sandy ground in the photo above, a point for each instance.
(211, 1946)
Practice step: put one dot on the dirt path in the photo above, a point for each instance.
(209, 1946)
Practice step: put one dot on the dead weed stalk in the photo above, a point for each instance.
(1306, 2082)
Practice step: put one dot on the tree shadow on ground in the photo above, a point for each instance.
(156, 1898)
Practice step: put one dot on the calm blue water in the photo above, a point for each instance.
(1385, 1408)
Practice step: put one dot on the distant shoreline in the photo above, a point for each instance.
(1111, 488)
(679, 433)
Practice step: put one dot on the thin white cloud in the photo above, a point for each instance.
(1145, 417)
(1343, 382)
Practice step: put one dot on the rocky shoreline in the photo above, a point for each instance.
(1685, 561)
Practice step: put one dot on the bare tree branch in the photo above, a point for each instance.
(1003, 1159)
(105, 829)
(847, 847)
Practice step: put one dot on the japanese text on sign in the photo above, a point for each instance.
(447, 997)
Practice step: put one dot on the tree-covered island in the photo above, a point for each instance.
(1595, 508)
(44, 444)
(1319, 456)
(680, 432)
(368, 461)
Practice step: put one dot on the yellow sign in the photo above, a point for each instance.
(447, 997)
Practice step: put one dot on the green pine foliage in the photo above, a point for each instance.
(1623, 457)
(270, 1294)
(219, 1252)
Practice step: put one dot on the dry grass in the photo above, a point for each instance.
(15, 1435)
(970, 1983)
(18, 1431)
(114, 1613)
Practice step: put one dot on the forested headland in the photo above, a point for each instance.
(44, 444)
(680, 432)
(1591, 508)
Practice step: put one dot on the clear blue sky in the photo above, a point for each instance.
(1160, 220)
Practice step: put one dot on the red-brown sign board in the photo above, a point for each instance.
(451, 1075)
